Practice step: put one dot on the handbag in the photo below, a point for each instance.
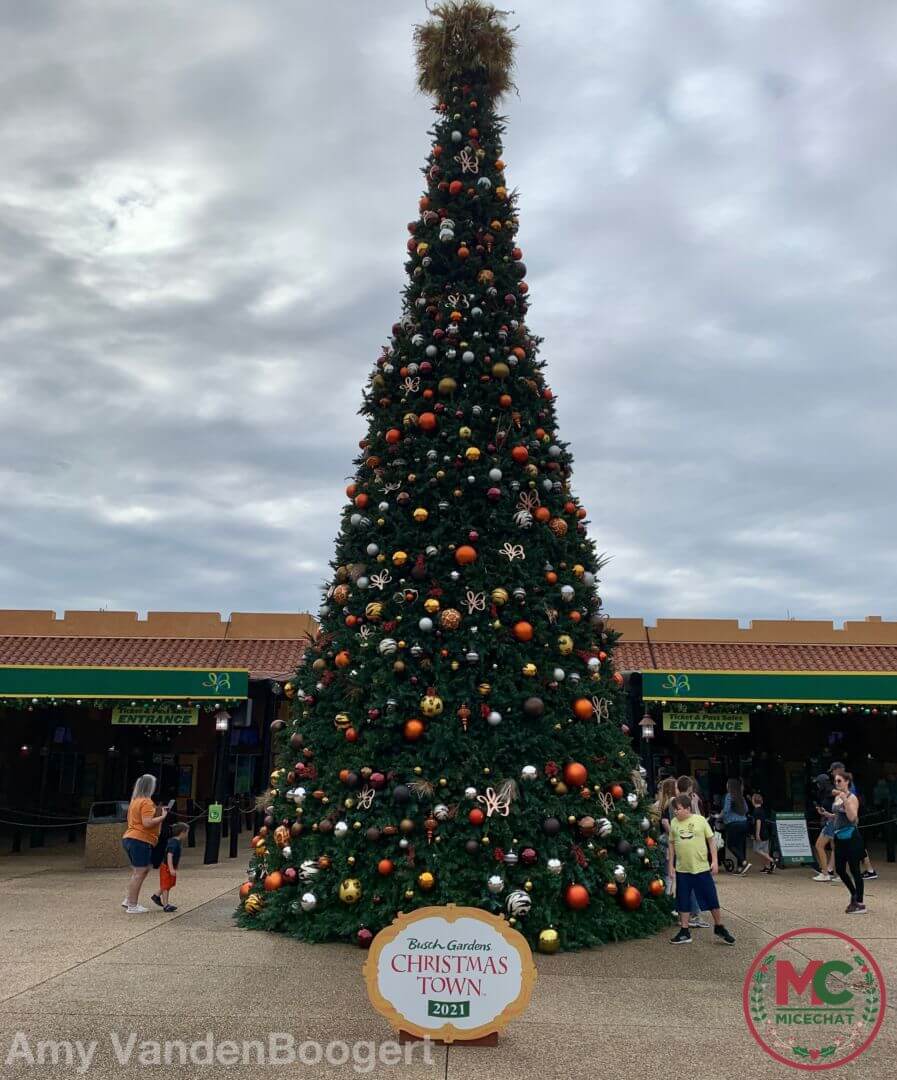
(846, 833)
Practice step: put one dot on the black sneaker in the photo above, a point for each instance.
(870, 875)
(157, 900)
(723, 934)
(169, 907)
(682, 938)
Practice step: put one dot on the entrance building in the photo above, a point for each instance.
(773, 704)
(91, 701)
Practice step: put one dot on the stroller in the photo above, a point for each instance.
(727, 859)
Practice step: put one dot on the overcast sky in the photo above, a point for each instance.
(202, 237)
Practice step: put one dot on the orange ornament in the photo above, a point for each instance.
(385, 867)
(245, 889)
(581, 512)
(520, 454)
(582, 709)
(575, 774)
(413, 729)
(617, 678)
(505, 401)
(611, 888)
(617, 791)
(551, 577)
(427, 421)
(393, 436)
(656, 887)
(631, 898)
(274, 881)
(575, 616)
(577, 897)
(362, 500)
(651, 842)
(463, 251)
(542, 514)
(351, 489)
(465, 555)
(351, 735)
(342, 659)
(523, 631)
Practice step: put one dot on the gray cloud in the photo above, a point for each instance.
(202, 226)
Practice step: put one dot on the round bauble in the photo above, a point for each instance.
(575, 774)
(551, 826)
(533, 707)
(620, 872)
(529, 772)
(495, 884)
(554, 866)
(518, 903)
(657, 887)
(350, 890)
(582, 709)
(523, 631)
(412, 730)
(426, 881)
(385, 867)
(364, 937)
(549, 941)
(274, 881)
(308, 901)
(577, 897)
(631, 898)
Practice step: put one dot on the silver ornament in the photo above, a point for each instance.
(388, 647)
(495, 884)
(440, 812)
(510, 858)
(309, 901)
(554, 866)
(529, 772)
(620, 872)
(494, 718)
(559, 674)
(604, 826)
(340, 829)
(426, 624)
(286, 852)
(470, 793)
(309, 870)
(632, 799)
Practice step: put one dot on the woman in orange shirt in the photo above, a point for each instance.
(140, 838)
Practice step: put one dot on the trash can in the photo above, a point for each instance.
(106, 823)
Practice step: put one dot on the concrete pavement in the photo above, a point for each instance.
(74, 966)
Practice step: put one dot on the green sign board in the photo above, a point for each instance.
(803, 687)
(215, 813)
(794, 839)
(138, 716)
(696, 721)
(17, 680)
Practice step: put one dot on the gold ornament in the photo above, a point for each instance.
(472, 453)
(447, 386)
(426, 881)
(253, 904)
(558, 526)
(374, 611)
(464, 432)
(500, 596)
(529, 670)
(450, 619)
(289, 691)
(350, 890)
(549, 941)
(341, 721)
(399, 558)
(420, 515)
(565, 644)
(281, 835)
(431, 605)
(484, 689)
(431, 704)
(341, 595)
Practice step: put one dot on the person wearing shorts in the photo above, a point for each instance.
(168, 870)
(760, 833)
(694, 858)
(140, 838)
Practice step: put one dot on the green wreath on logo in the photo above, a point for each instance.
(757, 997)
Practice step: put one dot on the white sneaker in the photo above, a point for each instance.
(124, 902)
(137, 909)
(822, 877)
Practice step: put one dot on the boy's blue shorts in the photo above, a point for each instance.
(695, 887)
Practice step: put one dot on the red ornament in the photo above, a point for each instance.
(290, 875)
(427, 421)
(575, 774)
(523, 630)
(393, 436)
(351, 735)
(364, 937)
(520, 454)
(631, 898)
(656, 887)
(476, 816)
(456, 187)
(385, 867)
(617, 791)
(577, 897)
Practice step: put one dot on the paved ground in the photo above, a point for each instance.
(74, 966)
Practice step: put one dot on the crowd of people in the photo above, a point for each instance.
(693, 836)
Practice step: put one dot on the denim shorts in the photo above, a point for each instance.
(139, 852)
(828, 829)
(695, 892)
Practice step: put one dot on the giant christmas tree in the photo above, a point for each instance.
(457, 726)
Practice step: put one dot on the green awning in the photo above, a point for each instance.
(197, 684)
(797, 687)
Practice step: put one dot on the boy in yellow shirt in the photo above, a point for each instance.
(693, 857)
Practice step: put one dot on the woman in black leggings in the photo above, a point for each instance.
(848, 842)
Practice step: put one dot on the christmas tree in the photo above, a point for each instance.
(457, 729)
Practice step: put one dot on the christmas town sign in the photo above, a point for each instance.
(450, 973)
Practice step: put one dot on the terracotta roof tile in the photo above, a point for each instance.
(691, 656)
(264, 659)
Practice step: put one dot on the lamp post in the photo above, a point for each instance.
(646, 726)
(219, 783)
